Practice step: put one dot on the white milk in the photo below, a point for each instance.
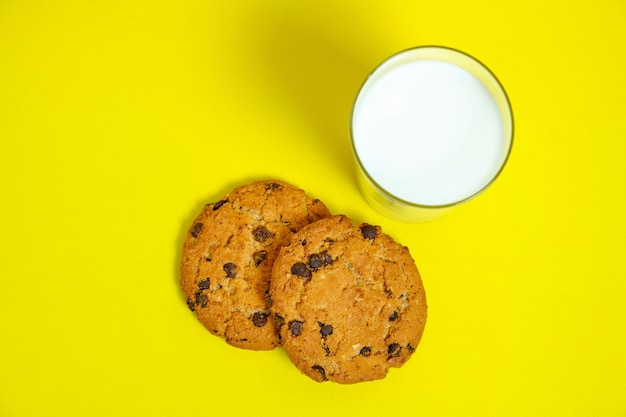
(429, 132)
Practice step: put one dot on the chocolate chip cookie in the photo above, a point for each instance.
(348, 301)
(228, 255)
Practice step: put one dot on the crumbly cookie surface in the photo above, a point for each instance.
(348, 301)
(228, 255)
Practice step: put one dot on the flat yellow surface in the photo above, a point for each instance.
(120, 119)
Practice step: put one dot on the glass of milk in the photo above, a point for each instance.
(431, 128)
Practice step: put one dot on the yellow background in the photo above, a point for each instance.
(120, 119)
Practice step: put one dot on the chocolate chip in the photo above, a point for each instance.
(204, 284)
(369, 232)
(259, 257)
(261, 234)
(231, 270)
(365, 351)
(393, 350)
(196, 229)
(273, 186)
(303, 242)
(318, 260)
(410, 348)
(219, 204)
(201, 299)
(191, 304)
(394, 316)
(301, 270)
(321, 370)
(325, 329)
(259, 319)
(295, 327)
(208, 258)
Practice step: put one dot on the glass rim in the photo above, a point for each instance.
(508, 110)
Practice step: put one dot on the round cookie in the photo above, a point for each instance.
(228, 255)
(348, 301)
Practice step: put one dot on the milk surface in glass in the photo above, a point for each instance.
(429, 133)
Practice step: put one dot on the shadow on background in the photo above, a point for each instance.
(315, 73)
